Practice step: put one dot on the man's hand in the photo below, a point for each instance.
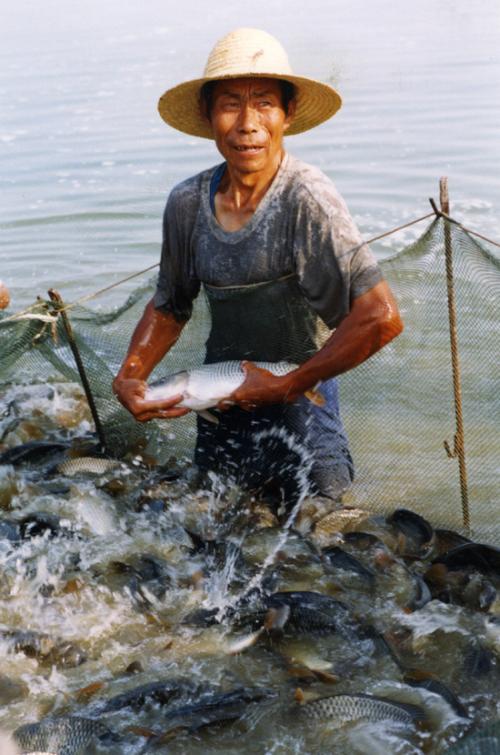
(260, 388)
(153, 336)
(130, 393)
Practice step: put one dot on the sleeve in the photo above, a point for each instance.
(177, 287)
(333, 263)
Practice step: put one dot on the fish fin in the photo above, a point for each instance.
(315, 397)
(299, 695)
(418, 675)
(300, 672)
(170, 734)
(325, 676)
(197, 578)
(86, 692)
(276, 618)
(208, 416)
(140, 731)
(243, 644)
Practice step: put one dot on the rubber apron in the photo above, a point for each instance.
(283, 447)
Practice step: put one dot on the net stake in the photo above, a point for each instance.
(56, 297)
(458, 443)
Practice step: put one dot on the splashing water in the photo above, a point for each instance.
(219, 582)
(301, 472)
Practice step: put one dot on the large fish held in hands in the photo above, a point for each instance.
(204, 387)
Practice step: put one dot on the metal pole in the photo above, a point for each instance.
(56, 297)
(459, 446)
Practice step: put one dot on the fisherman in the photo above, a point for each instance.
(282, 264)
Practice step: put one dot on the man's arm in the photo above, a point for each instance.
(372, 322)
(154, 335)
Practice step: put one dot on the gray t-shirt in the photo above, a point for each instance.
(302, 226)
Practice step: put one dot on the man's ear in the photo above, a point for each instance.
(202, 104)
(292, 107)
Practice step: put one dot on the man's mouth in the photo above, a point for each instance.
(248, 148)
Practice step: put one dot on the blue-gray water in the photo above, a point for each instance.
(87, 163)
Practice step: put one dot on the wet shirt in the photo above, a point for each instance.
(301, 226)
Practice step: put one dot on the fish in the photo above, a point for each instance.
(337, 558)
(143, 577)
(478, 660)
(360, 707)
(448, 539)
(478, 556)
(42, 523)
(416, 534)
(161, 692)
(328, 529)
(204, 387)
(44, 648)
(307, 613)
(464, 587)
(87, 465)
(421, 594)
(213, 708)
(65, 735)
(483, 741)
(437, 688)
(33, 452)
(296, 549)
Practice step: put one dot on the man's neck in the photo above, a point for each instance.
(241, 192)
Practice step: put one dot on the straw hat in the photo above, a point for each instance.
(242, 53)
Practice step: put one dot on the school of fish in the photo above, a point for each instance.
(140, 613)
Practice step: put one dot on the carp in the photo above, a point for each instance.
(67, 735)
(344, 708)
(204, 387)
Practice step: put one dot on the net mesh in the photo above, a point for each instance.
(398, 407)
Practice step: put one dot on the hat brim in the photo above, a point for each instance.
(316, 102)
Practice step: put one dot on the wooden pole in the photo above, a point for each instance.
(56, 297)
(459, 445)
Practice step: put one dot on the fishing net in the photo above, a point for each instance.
(398, 407)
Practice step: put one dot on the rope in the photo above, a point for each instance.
(440, 214)
(27, 314)
(88, 297)
(468, 230)
(394, 230)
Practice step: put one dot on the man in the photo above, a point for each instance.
(279, 258)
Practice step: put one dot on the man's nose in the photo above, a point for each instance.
(248, 120)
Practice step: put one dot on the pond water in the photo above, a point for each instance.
(87, 163)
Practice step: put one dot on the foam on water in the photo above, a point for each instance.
(302, 476)
(217, 587)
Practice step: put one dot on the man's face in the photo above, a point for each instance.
(248, 122)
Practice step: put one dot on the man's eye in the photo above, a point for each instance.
(265, 103)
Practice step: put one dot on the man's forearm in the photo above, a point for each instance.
(154, 335)
(372, 322)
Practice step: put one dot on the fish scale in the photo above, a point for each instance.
(344, 708)
(203, 387)
(66, 735)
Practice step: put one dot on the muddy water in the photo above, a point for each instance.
(70, 587)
